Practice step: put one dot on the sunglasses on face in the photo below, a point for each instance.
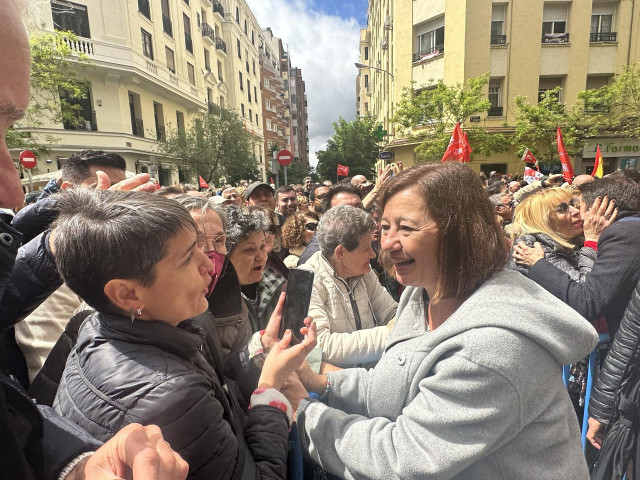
(273, 229)
(507, 205)
(312, 227)
(564, 206)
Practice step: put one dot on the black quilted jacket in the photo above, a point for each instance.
(152, 373)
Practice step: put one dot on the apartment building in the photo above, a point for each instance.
(275, 97)
(153, 65)
(363, 92)
(241, 32)
(299, 116)
(527, 48)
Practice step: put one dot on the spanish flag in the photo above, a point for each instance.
(597, 167)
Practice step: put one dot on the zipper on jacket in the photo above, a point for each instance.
(356, 312)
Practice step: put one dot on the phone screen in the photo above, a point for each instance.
(296, 304)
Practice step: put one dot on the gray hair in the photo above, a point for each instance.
(194, 202)
(242, 224)
(496, 199)
(101, 235)
(343, 225)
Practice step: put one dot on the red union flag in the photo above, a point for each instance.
(456, 150)
(567, 169)
(343, 170)
(203, 184)
(467, 148)
(527, 157)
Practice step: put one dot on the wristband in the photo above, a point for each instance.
(591, 244)
(327, 389)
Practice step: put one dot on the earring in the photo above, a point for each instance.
(138, 312)
(134, 313)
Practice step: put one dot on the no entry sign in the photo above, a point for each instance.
(284, 157)
(27, 159)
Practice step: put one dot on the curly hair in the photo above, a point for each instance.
(293, 228)
(242, 224)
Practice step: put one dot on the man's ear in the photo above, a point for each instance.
(124, 294)
(339, 252)
(65, 185)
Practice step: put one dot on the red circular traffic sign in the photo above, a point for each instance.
(284, 157)
(28, 159)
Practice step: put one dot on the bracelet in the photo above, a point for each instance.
(327, 388)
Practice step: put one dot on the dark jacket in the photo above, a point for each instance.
(35, 443)
(122, 372)
(576, 263)
(34, 219)
(312, 248)
(606, 290)
(623, 358)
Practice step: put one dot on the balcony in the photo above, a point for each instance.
(498, 39)
(555, 38)
(495, 111)
(137, 127)
(161, 133)
(604, 37)
(208, 33)
(428, 54)
(143, 8)
(218, 8)
(220, 45)
(167, 26)
(188, 43)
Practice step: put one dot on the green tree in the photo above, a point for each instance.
(428, 115)
(215, 145)
(354, 145)
(56, 82)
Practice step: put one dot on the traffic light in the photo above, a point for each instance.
(379, 134)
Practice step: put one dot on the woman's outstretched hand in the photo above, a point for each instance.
(526, 255)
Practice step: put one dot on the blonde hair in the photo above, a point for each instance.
(533, 215)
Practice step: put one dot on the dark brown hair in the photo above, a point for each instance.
(472, 247)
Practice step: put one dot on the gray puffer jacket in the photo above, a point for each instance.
(123, 372)
(576, 263)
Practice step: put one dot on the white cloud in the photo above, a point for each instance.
(324, 47)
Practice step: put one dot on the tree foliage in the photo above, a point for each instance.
(56, 81)
(354, 145)
(215, 145)
(428, 115)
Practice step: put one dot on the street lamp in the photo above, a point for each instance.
(362, 65)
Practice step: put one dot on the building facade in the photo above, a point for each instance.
(299, 116)
(363, 92)
(527, 48)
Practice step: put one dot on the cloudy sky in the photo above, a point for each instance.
(322, 37)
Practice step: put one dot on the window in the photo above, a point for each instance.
(85, 115)
(70, 16)
(241, 84)
(248, 91)
(602, 23)
(187, 33)
(191, 72)
(167, 27)
(267, 104)
(245, 27)
(295, 130)
(549, 83)
(366, 81)
(238, 46)
(180, 121)
(158, 116)
(366, 107)
(269, 124)
(254, 66)
(242, 109)
(250, 115)
(147, 44)
(144, 9)
(207, 64)
(266, 82)
(135, 111)
(221, 101)
(253, 38)
(429, 44)
(220, 76)
(171, 65)
(237, 15)
(366, 53)
(255, 94)
(495, 97)
(209, 95)
(554, 24)
(497, 25)
(257, 123)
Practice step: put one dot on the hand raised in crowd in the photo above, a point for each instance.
(601, 214)
(283, 359)
(138, 183)
(135, 452)
(555, 180)
(294, 390)
(595, 434)
(526, 255)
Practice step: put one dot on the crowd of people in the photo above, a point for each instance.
(141, 327)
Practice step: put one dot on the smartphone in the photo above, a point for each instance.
(296, 303)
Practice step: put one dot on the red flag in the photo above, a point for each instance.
(455, 150)
(343, 170)
(597, 167)
(567, 169)
(467, 149)
(528, 157)
(203, 184)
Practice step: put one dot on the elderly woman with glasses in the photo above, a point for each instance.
(140, 358)
(350, 307)
(297, 231)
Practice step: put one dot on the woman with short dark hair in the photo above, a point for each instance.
(469, 384)
(141, 358)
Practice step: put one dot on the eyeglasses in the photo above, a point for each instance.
(507, 205)
(209, 242)
(273, 229)
(312, 227)
(564, 206)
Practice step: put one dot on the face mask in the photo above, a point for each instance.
(218, 263)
